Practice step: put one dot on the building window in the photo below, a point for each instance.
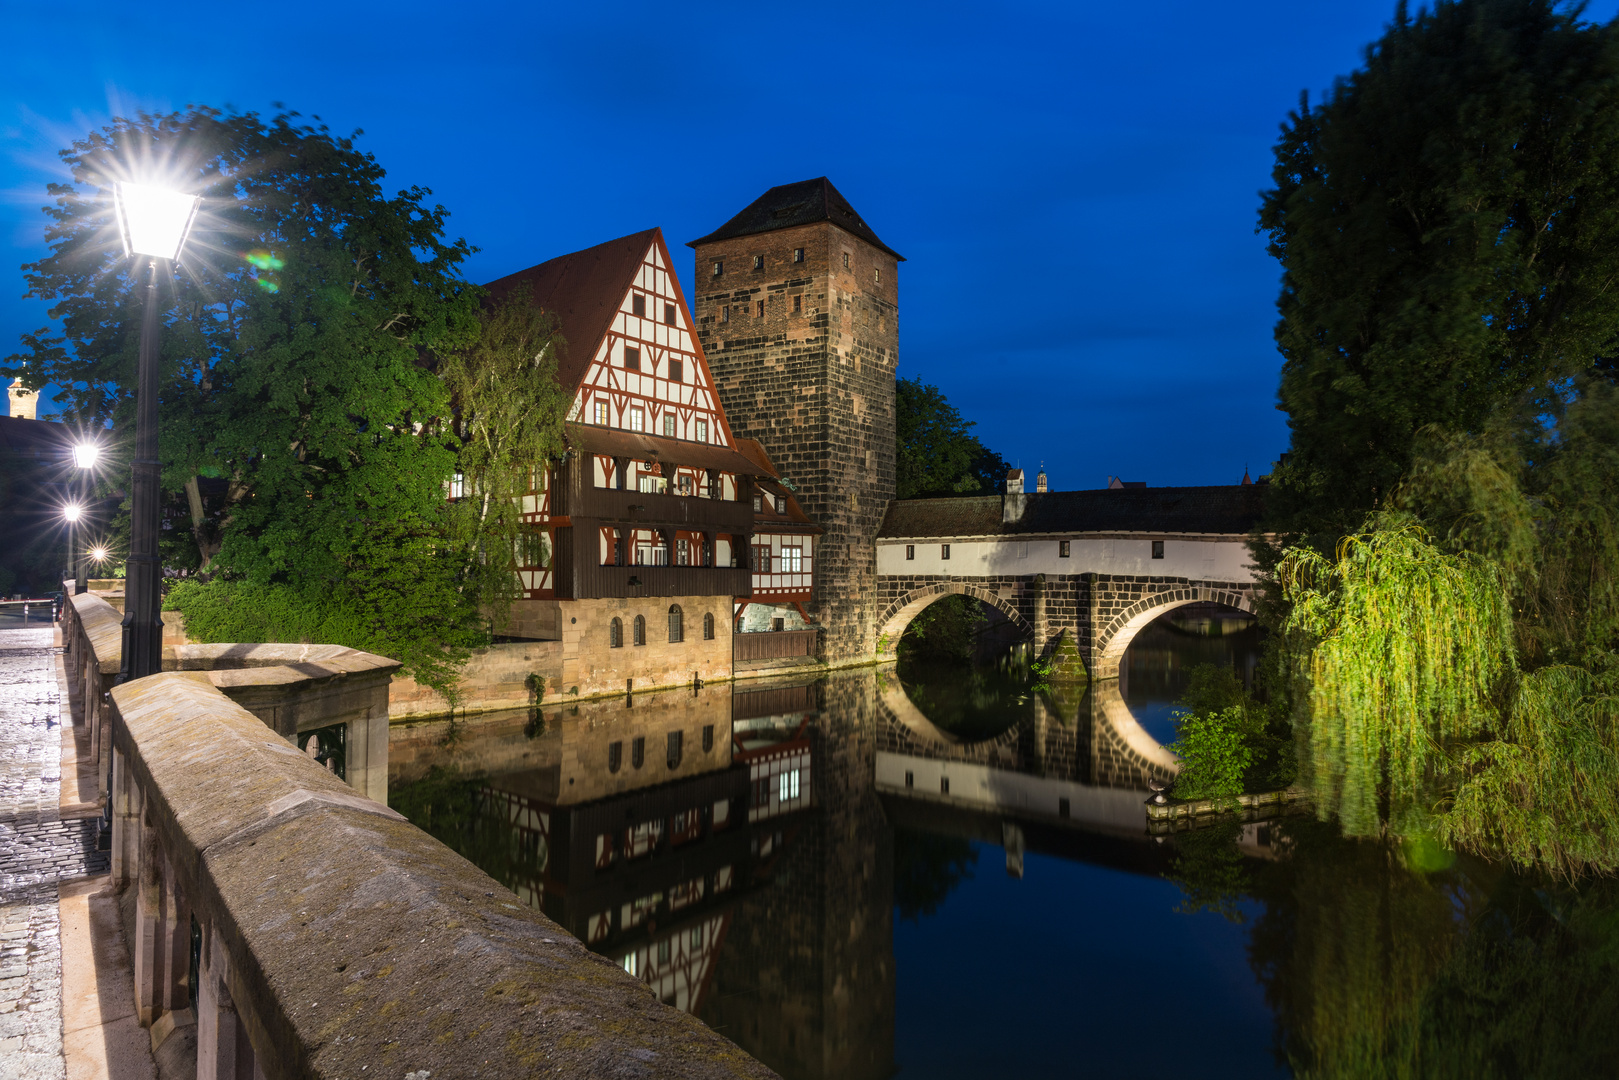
(846, 260)
(637, 418)
(792, 560)
(910, 778)
(534, 547)
(798, 254)
(910, 551)
(761, 558)
(725, 313)
(759, 309)
(668, 425)
(683, 547)
(758, 500)
(676, 745)
(877, 275)
(944, 551)
(638, 752)
(677, 623)
(685, 489)
(944, 783)
(632, 358)
(638, 305)
(601, 413)
(615, 636)
(458, 486)
(669, 314)
(758, 262)
(1158, 549)
(719, 267)
(640, 631)
(702, 431)
(1062, 549)
(615, 752)
(798, 305)
(788, 788)
(677, 371)
(708, 635)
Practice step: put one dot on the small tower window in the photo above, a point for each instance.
(758, 262)
(708, 635)
(944, 551)
(677, 371)
(798, 305)
(725, 313)
(632, 358)
(1062, 549)
(669, 314)
(877, 275)
(640, 629)
(638, 305)
(615, 635)
(719, 267)
(1158, 549)
(759, 309)
(910, 551)
(846, 260)
(798, 255)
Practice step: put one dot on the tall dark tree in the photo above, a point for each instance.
(937, 453)
(1447, 220)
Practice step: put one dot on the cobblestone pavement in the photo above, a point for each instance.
(37, 850)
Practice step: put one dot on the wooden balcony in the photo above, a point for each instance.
(594, 582)
(774, 645)
(612, 506)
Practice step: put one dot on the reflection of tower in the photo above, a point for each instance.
(24, 403)
(805, 981)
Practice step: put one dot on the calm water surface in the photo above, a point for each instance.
(949, 874)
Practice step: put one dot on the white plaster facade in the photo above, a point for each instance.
(1201, 557)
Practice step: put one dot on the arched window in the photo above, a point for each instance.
(615, 634)
(615, 752)
(640, 629)
(708, 626)
(676, 739)
(677, 623)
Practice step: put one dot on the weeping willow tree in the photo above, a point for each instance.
(1459, 652)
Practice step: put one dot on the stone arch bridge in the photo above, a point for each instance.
(1079, 573)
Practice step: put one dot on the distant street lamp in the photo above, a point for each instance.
(154, 223)
(85, 455)
(73, 512)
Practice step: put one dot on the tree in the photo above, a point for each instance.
(936, 452)
(291, 367)
(1447, 220)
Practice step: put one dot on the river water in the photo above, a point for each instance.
(949, 873)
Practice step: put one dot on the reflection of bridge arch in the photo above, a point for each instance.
(893, 621)
(1115, 634)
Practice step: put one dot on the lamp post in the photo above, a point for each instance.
(73, 512)
(154, 223)
(84, 456)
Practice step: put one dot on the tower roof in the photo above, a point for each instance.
(803, 203)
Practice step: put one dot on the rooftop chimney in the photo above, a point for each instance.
(1014, 482)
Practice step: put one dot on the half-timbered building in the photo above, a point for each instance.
(640, 541)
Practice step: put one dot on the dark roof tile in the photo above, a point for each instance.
(803, 203)
(1228, 510)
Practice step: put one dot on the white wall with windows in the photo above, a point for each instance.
(1214, 558)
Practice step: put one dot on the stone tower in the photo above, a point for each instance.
(797, 304)
(23, 403)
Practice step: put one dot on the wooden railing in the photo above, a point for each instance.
(774, 645)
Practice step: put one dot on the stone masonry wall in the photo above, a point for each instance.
(816, 388)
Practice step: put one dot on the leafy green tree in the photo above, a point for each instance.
(292, 366)
(936, 453)
(1447, 220)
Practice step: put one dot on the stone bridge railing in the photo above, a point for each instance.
(283, 924)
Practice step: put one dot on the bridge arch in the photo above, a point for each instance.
(1115, 635)
(891, 625)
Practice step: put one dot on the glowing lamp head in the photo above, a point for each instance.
(99, 554)
(153, 221)
(85, 455)
(73, 512)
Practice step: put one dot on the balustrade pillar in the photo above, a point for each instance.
(162, 933)
(223, 1049)
(127, 807)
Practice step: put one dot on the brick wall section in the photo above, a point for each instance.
(816, 388)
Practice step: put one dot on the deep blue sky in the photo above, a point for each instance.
(1074, 185)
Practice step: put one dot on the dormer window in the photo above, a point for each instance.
(638, 305)
(758, 500)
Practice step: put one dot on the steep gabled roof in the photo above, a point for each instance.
(803, 203)
(583, 290)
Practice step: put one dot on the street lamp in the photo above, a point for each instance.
(85, 455)
(73, 512)
(154, 223)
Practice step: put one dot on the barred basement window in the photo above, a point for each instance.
(668, 425)
(638, 305)
(708, 635)
(758, 262)
(944, 551)
(640, 635)
(615, 637)
(677, 371)
(719, 267)
(615, 752)
(638, 751)
(669, 314)
(1062, 549)
(798, 254)
(1158, 549)
(632, 359)
(798, 305)
(910, 551)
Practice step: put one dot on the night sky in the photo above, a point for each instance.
(1074, 185)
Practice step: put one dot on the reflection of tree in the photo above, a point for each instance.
(1374, 969)
(927, 868)
(970, 703)
(449, 807)
(1210, 871)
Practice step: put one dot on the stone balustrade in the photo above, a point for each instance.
(283, 924)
